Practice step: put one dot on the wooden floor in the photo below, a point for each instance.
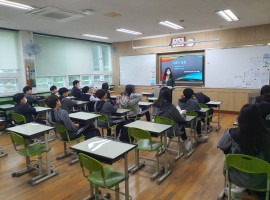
(197, 178)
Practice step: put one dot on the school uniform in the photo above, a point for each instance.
(67, 104)
(31, 99)
(202, 98)
(76, 92)
(26, 110)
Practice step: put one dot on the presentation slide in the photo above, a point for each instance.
(184, 68)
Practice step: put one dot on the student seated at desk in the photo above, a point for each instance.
(190, 103)
(75, 91)
(132, 99)
(66, 103)
(53, 90)
(23, 108)
(202, 98)
(27, 90)
(249, 138)
(88, 96)
(105, 86)
(264, 90)
(164, 108)
(107, 108)
(60, 116)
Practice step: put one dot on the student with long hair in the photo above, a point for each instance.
(164, 107)
(249, 138)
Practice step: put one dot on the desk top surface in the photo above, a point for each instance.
(189, 118)
(152, 98)
(142, 103)
(41, 109)
(204, 110)
(7, 106)
(80, 102)
(103, 147)
(214, 103)
(30, 129)
(84, 116)
(149, 126)
(122, 111)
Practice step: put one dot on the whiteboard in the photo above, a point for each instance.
(223, 65)
(138, 69)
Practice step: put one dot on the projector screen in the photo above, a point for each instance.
(187, 68)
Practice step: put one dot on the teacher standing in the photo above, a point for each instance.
(168, 78)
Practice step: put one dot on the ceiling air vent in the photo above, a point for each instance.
(55, 14)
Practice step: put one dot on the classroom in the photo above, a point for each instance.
(130, 45)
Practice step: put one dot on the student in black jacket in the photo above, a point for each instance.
(23, 108)
(53, 90)
(75, 91)
(66, 103)
(27, 90)
(87, 97)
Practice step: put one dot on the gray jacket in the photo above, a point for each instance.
(168, 110)
(132, 101)
(228, 145)
(106, 108)
(189, 104)
(67, 104)
(31, 99)
(61, 116)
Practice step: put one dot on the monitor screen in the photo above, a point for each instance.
(187, 68)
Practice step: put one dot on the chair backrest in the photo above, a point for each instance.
(193, 113)
(16, 117)
(60, 128)
(17, 140)
(103, 117)
(203, 105)
(132, 108)
(92, 165)
(164, 120)
(247, 164)
(139, 134)
(250, 165)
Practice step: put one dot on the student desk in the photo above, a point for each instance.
(147, 94)
(40, 109)
(106, 151)
(204, 111)
(114, 97)
(32, 131)
(71, 97)
(5, 108)
(216, 104)
(192, 121)
(81, 103)
(157, 129)
(84, 117)
(152, 99)
(149, 105)
(121, 112)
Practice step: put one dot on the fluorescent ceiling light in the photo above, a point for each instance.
(15, 5)
(96, 36)
(171, 25)
(228, 15)
(128, 31)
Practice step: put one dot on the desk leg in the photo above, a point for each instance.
(151, 113)
(218, 119)
(192, 149)
(206, 118)
(50, 172)
(127, 178)
(167, 172)
(96, 123)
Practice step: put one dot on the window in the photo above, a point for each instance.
(8, 86)
(8, 71)
(43, 83)
(106, 58)
(71, 79)
(97, 77)
(108, 78)
(86, 81)
(59, 82)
